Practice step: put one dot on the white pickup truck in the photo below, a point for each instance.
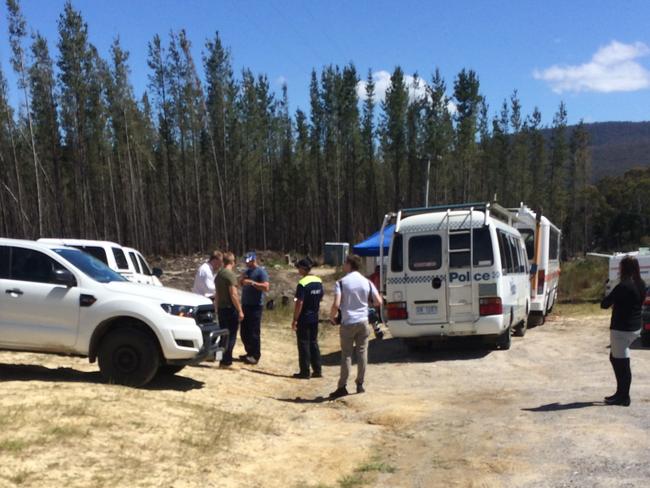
(57, 299)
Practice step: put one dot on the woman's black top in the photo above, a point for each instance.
(627, 298)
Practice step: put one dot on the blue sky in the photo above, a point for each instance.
(549, 51)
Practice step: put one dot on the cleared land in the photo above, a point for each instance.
(458, 415)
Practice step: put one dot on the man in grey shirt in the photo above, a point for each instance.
(352, 295)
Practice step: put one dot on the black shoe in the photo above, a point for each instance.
(317, 375)
(243, 356)
(301, 376)
(611, 397)
(250, 360)
(360, 388)
(621, 401)
(340, 392)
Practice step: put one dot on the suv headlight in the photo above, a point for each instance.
(179, 310)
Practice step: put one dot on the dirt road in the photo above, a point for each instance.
(454, 416)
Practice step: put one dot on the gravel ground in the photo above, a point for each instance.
(458, 415)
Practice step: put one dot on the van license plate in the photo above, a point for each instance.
(426, 310)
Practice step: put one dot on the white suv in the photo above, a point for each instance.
(57, 299)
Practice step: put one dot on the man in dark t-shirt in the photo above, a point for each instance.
(309, 294)
(255, 283)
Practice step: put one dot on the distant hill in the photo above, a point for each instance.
(618, 146)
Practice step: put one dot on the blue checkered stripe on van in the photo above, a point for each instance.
(411, 280)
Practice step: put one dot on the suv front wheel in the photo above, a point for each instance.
(128, 357)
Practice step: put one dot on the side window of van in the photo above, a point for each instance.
(425, 253)
(529, 240)
(554, 245)
(397, 257)
(524, 256)
(515, 254)
(504, 249)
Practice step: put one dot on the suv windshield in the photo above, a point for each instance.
(89, 265)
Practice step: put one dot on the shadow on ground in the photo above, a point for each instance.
(395, 351)
(556, 407)
(30, 372)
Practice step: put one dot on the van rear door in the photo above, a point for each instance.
(425, 279)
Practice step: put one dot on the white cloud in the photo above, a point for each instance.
(417, 89)
(281, 80)
(613, 68)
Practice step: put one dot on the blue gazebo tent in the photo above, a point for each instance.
(370, 247)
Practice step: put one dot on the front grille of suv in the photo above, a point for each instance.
(205, 315)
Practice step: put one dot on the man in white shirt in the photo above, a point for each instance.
(204, 279)
(352, 295)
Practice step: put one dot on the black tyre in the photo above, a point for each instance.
(645, 340)
(169, 369)
(504, 340)
(128, 357)
(522, 327)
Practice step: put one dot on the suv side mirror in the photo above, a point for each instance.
(157, 272)
(64, 277)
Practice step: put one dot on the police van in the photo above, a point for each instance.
(542, 240)
(456, 270)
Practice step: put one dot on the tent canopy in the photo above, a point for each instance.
(370, 247)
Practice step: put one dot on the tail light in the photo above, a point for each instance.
(541, 279)
(646, 302)
(646, 326)
(397, 311)
(490, 306)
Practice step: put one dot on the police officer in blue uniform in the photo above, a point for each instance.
(309, 294)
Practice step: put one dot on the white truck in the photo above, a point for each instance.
(58, 299)
(543, 244)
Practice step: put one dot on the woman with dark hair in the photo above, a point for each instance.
(626, 298)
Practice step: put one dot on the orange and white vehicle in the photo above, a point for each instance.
(542, 240)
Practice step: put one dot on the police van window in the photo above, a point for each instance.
(460, 244)
(483, 247)
(120, 259)
(4, 262)
(134, 261)
(425, 253)
(529, 241)
(397, 257)
(95, 251)
(504, 249)
(553, 244)
(514, 250)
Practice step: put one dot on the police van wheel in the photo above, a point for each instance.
(520, 330)
(504, 340)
